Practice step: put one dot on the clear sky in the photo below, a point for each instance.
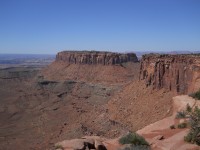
(49, 26)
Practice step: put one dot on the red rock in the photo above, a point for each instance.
(177, 73)
(76, 143)
(99, 145)
(95, 57)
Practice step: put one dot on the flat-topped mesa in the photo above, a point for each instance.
(177, 73)
(95, 57)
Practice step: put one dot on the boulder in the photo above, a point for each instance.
(77, 144)
(99, 145)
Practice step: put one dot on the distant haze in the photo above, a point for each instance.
(49, 26)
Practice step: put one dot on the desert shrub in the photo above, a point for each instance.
(188, 108)
(181, 114)
(194, 134)
(196, 95)
(59, 147)
(188, 137)
(136, 147)
(182, 125)
(172, 127)
(134, 139)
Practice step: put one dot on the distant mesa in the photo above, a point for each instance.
(95, 57)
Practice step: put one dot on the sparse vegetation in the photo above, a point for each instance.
(182, 125)
(194, 134)
(134, 139)
(180, 114)
(172, 127)
(59, 147)
(188, 137)
(136, 147)
(196, 95)
(188, 108)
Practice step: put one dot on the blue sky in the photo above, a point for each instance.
(49, 26)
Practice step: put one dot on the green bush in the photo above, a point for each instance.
(194, 134)
(135, 147)
(182, 125)
(134, 139)
(180, 114)
(196, 95)
(188, 137)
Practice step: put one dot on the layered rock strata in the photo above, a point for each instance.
(178, 73)
(95, 57)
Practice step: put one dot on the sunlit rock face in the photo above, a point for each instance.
(177, 73)
(95, 57)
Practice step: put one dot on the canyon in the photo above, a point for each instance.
(90, 93)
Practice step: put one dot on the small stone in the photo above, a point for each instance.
(156, 138)
(181, 121)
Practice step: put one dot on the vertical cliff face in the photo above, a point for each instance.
(177, 73)
(94, 57)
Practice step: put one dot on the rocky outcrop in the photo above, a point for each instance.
(178, 73)
(85, 143)
(95, 57)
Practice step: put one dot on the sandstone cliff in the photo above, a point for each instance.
(177, 73)
(95, 57)
(93, 67)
